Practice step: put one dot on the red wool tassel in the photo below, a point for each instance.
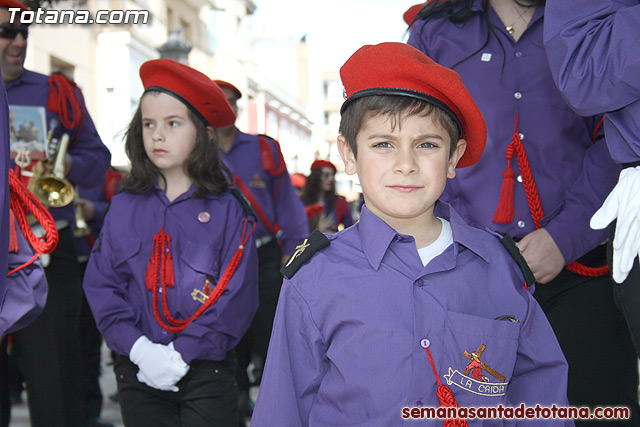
(446, 397)
(169, 277)
(504, 211)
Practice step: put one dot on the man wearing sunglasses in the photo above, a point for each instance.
(48, 350)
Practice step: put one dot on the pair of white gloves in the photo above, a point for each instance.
(161, 366)
(623, 204)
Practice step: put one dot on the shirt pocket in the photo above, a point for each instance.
(480, 356)
(199, 269)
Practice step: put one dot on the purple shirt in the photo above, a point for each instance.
(276, 195)
(26, 291)
(347, 343)
(91, 158)
(201, 250)
(573, 175)
(593, 53)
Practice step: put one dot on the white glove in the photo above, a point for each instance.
(624, 204)
(161, 366)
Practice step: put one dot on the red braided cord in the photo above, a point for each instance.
(21, 201)
(535, 206)
(272, 228)
(446, 397)
(180, 325)
(65, 101)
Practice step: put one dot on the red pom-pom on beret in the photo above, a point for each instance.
(190, 86)
(323, 164)
(400, 69)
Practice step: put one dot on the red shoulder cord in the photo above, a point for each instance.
(446, 398)
(160, 271)
(266, 156)
(66, 101)
(22, 200)
(504, 211)
(272, 228)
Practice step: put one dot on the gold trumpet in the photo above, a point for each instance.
(53, 190)
(82, 229)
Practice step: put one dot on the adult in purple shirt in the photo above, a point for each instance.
(282, 225)
(46, 348)
(496, 47)
(592, 49)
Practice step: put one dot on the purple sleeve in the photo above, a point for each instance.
(107, 295)
(295, 365)
(26, 291)
(290, 214)
(223, 324)
(570, 228)
(592, 48)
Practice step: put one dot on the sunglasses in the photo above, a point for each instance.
(11, 32)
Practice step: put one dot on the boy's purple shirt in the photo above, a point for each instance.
(346, 344)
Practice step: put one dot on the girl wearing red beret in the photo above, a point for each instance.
(326, 210)
(172, 278)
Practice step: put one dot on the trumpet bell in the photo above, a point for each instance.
(53, 192)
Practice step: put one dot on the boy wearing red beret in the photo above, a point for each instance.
(411, 307)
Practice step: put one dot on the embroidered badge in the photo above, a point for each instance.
(257, 182)
(477, 383)
(202, 295)
(299, 250)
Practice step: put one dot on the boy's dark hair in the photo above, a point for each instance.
(204, 164)
(395, 107)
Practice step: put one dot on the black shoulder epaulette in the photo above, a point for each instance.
(510, 245)
(246, 206)
(304, 251)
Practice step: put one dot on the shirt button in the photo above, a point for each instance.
(518, 54)
(521, 224)
(425, 343)
(521, 135)
(517, 95)
(164, 332)
(519, 178)
(418, 282)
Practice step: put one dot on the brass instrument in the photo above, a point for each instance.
(53, 190)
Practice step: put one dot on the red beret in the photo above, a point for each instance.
(13, 3)
(400, 69)
(193, 88)
(298, 180)
(411, 13)
(228, 85)
(323, 164)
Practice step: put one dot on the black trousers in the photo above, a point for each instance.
(256, 339)
(627, 296)
(47, 351)
(603, 367)
(207, 397)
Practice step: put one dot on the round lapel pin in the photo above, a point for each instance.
(204, 217)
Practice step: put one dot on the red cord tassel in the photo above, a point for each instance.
(504, 211)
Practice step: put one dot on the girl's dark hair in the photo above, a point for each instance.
(459, 11)
(311, 191)
(204, 164)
